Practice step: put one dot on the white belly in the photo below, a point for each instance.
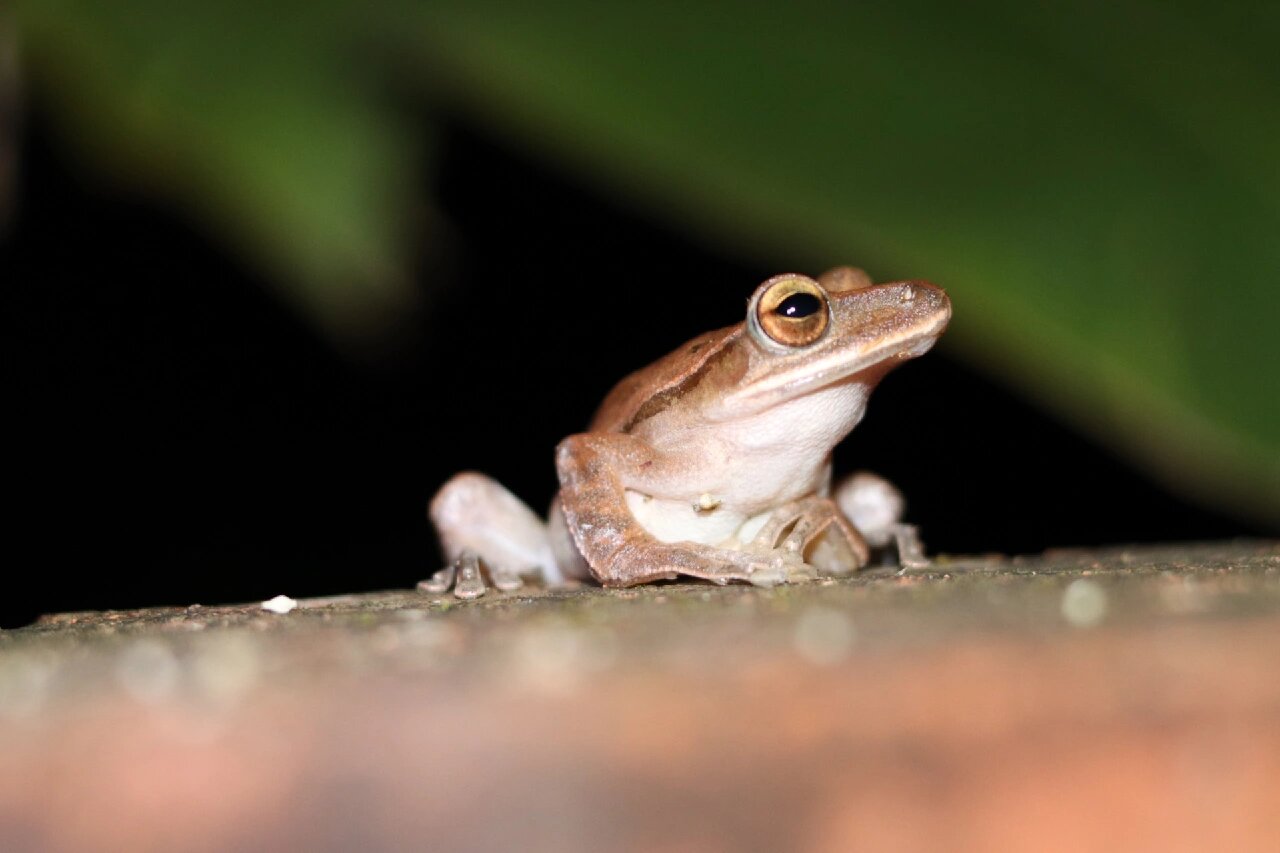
(744, 468)
(679, 521)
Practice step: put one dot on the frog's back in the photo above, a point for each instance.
(650, 389)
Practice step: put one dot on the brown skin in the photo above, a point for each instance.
(711, 418)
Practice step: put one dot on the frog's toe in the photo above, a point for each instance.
(804, 529)
(440, 582)
(464, 577)
(505, 580)
(780, 521)
(785, 567)
(470, 583)
(766, 576)
(911, 556)
(801, 573)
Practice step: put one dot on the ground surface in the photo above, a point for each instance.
(1121, 699)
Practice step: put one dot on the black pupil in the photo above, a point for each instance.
(798, 305)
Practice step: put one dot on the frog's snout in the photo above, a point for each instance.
(925, 300)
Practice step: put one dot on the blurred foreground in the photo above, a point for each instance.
(1083, 700)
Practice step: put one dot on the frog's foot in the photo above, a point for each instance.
(911, 555)
(483, 528)
(648, 560)
(780, 568)
(875, 507)
(466, 578)
(817, 532)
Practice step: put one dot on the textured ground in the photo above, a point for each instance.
(1120, 699)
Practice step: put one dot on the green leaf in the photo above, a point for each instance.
(258, 115)
(1098, 188)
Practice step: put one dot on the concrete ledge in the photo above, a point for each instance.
(1122, 698)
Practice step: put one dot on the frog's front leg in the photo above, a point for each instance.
(596, 469)
(875, 506)
(480, 523)
(816, 529)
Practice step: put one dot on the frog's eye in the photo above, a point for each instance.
(791, 310)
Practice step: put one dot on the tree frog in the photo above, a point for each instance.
(715, 461)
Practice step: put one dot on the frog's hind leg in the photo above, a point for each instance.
(875, 506)
(818, 531)
(480, 522)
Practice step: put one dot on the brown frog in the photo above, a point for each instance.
(715, 461)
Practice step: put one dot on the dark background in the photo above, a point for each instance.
(179, 436)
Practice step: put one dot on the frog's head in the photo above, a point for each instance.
(803, 335)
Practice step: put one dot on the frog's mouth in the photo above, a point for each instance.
(816, 370)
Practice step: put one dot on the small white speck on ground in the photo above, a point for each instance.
(1084, 603)
(280, 604)
(824, 635)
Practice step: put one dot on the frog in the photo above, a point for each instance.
(715, 462)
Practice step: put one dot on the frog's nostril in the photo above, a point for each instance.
(923, 294)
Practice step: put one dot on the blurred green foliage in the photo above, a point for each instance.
(1097, 185)
(269, 120)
